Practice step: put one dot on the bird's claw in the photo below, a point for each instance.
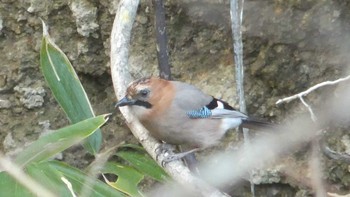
(167, 153)
(164, 149)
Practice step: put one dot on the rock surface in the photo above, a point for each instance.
(288, 47)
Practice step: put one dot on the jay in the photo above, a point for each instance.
(180, 114)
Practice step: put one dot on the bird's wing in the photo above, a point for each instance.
(227, 113)
(189, 97)
(205, 112)
(197, 104)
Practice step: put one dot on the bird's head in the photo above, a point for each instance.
(147, 93)
(138, 93)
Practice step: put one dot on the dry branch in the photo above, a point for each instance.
(162, 41)
(315, 163)
(313, 88)
(120, 39)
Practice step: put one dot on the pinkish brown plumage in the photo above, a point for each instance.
(179, 113)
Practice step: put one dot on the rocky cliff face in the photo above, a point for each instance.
(288, 47)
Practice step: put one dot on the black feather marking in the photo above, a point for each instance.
(143, 104)
(214, 104)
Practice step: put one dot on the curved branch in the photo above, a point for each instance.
(120, 39)
(331, 154)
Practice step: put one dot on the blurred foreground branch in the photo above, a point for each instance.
(325, 149)
(17, 173)
(316, 144)
(120, 39)
(227, 168)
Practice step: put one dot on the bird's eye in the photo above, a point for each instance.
(144, 92)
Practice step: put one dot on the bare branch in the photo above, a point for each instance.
(162, 41)
(120, 39)
(315, 163)
(236, 12)
(306, 92)
(333, 154)
(313, 116)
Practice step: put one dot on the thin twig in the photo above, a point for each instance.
(325, 149)
(306, 92)
(312, 114)
(315, 163)
(162, 41)
(163, 61)
(120, 39)
(236, 11)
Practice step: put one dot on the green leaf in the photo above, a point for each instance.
(53, 143)
(128, 178)
(10, 187)
(66, 88)
(51, 175)
(134, 147)
(80, 181)
(144, 163)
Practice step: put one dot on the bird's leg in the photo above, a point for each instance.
(192, 163)
(168, 151)
(176, 156)
(165, 148)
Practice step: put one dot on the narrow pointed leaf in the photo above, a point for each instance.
(128, 178)
(144, 163)
(78, 180)
(53, 143)
(50, 175)
(66, 88)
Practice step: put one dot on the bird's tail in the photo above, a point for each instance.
(257, 124)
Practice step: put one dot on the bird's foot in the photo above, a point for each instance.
(167, 151)
(175, 156)
(164, 150)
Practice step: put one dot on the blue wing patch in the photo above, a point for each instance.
(203, 112)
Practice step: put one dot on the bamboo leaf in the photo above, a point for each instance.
(66, 87)
(78, 180)
(128, 178)
(54, 175)
(143, 163)
(53, 143)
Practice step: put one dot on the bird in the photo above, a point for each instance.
(179, 113)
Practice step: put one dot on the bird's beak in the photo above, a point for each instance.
(124, 102)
